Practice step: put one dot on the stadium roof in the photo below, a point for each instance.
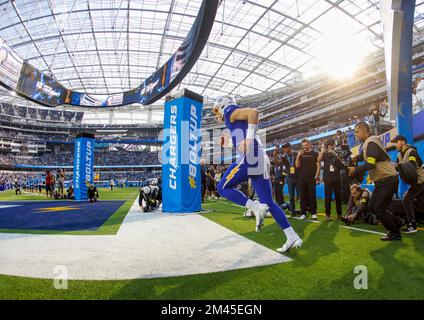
(109, 46)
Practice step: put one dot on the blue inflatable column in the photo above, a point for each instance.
(83, 164)
(181, 176)
(398, 21)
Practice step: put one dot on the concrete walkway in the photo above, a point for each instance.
(148, 245)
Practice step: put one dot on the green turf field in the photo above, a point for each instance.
(111, 226)
(322, 269)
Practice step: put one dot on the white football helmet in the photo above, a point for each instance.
(219, 106)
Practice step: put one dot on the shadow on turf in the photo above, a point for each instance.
(319, 243)
(192, 286)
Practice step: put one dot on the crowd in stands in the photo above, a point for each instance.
(42, 137)
(31, 181)
(40, 113)
(36, 136)
(103, 158)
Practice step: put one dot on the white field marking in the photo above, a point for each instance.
(316, 221)
(345, 227)
(358, 229)
(192, 244)
(231, 204)
(5, 206)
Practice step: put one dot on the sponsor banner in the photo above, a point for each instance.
(83, 166)
(10, 66)
(181, 180)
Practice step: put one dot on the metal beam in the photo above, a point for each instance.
(29, 33)
(64, 43)
(166, 28)
(241, 39)
(337, 5)
(148, 52)
(95, 43)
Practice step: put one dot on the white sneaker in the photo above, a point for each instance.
(314, 217)
(259, 210)
(290, 244)
(302, 217)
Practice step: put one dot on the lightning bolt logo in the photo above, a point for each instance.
(192, 182)
(232, 173)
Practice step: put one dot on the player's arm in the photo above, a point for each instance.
(298, 162)
(370, 161)
(252, 117)
(317, 173)
(413, 155)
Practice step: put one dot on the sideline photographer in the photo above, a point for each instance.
(416, 189)
(358, 206)
(384, 175)
(331, 177)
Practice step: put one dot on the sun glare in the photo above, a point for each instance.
(339, 51)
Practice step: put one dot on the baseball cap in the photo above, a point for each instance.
(399, 137)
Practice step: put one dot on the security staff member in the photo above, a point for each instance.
(331, 177)
(289, 160)
(278, 177)
(415, 191)
(384, 175)
(309, 168)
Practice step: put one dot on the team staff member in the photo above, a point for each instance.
(278, 177)
(203, 171)
(49, 184)
(309, 168)
(415, 191)
(384, 175)
(289, 160)
(331, 177)
(61, 181)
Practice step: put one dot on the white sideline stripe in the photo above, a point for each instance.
(363, 230)
(9, 206)
(231, 204)
(147, 245)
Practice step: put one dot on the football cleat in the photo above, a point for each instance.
(248, 214)
(260, 210)
(296, 242)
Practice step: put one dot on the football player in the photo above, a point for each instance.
(253, 163)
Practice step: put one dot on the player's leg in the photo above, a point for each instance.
(236, 174)
(262, 187)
